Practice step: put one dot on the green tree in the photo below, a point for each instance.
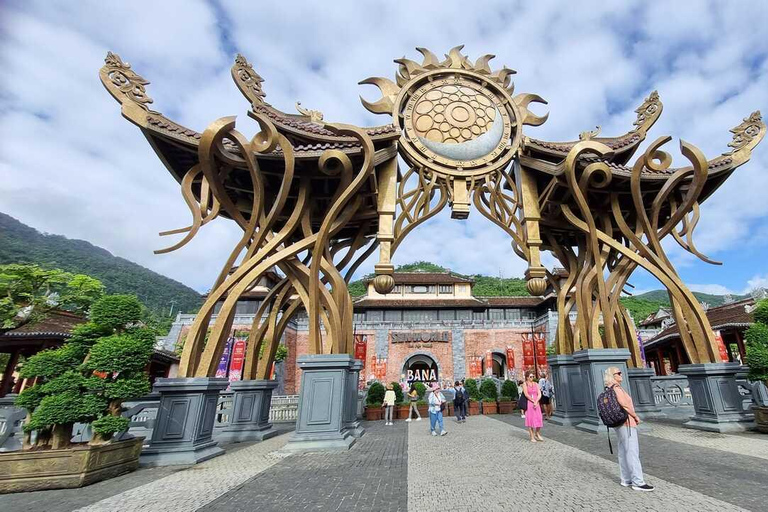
(756, 338)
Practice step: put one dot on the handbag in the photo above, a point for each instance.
(522, 402)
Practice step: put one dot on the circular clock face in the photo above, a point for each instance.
(458, 123)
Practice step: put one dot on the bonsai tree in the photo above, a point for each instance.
(88, 378)
(509, 389)
(399, 397)
(471, 386)
(488, 390)
(375, 394)
(756, 338)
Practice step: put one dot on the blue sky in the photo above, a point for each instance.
(69, 164)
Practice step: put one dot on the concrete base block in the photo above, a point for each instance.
(251, 400)
(351, 422)
(184, 425)
(717, 402)
(641, 390)
(569, 390)
(592, 366)
(324, 402)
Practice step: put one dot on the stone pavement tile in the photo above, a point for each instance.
(753, 444)
(498, 468)
(731, 477)
(371, 476)
(192, 488)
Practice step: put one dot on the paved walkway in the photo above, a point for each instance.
(485, 464)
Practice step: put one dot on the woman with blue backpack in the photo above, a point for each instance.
(617, 410)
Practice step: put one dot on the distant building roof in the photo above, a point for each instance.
(55, 324)
(426, 278)
(733, 315)
(458, 302)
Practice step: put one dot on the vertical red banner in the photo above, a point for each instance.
(381, 369)
(238, 360)
(510, 358)
(361, 347)
(527, 351)
(541, 349)
(721, 347)
(488, 362)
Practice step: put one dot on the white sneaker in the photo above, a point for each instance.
(434, 433)
(408, 420)
(418, 419)
(443, 433)
(625, 484)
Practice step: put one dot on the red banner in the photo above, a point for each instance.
(488, 362)
(721, 347)
(380, 370)
(361, 347)
(238, 359)
(541, 349)
(527, 351)
(510, 358)
(475, 369)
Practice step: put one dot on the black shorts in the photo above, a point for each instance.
(544, 400)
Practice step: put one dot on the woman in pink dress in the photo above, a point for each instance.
(533, 419)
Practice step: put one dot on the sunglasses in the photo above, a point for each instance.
(617, 373)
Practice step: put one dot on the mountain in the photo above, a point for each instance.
(662, 297)
(20, 243)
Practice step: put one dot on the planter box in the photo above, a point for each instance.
(374, 413)
(401, 412)
(423, 410)
(507, 407)
(449, 409)
(490, 408)
(62, 469)
(473, 409)
(761, 418)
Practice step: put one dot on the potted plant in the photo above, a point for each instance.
(84, 381)
(423, 408)
(508, 400)
(402, 408)
(474, 397)
(756, 338)
(373, 401)
(489, 393)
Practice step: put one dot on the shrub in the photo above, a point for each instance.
(471, 386)
(509, 389)
(116, 311)
(756, 339)
(761, 312)
(109, 425)
(488, 390)
(375, 394)
(398, 392)
(421, 389)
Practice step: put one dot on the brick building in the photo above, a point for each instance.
(430, 327)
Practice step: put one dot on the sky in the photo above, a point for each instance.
(71, 165)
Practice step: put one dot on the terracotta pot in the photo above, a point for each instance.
(449, 410)
(73, 467)
(507, 407)
(490, 407)
(473, 409)
(402, 412)
(374, 413)
(423, 410)
(761, 418)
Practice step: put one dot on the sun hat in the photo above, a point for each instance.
(435, 387)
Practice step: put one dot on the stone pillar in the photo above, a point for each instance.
(249, 421)
(185, 419)
(641, 389)
(592, 364)
(322, 402)
(569, 390)
(717, 403)
(351, 423)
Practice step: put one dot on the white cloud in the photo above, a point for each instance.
(71, 165)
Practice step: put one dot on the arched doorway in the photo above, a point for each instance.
(498, 367)
(421, 368)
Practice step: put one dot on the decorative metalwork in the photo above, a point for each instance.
(314, 199)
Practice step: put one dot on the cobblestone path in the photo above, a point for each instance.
(489, 465)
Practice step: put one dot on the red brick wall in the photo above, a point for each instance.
(442, 352)
(477, 342)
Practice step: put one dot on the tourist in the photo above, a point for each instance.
(389, 404)
(533, 412)
(630, 469)
(520, 394)
(465, 403)
(547, 394)
(458, 401)
(436, 405)
(413, 396)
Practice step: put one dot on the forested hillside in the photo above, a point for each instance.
(20, 243)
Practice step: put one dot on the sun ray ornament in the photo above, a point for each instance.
(315, 198)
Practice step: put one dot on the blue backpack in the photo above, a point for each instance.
(609, 409)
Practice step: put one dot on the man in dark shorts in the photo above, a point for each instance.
(547, 393)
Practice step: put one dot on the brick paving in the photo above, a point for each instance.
(499, 469)
(371, 476)
(752, 444)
